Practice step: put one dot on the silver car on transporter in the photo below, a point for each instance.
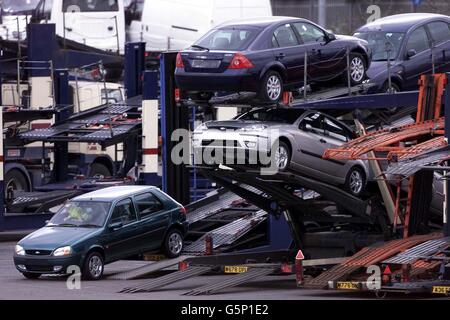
(302, 138)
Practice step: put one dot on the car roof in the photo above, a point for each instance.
(259, 21)
(401, 22)
(113, 193)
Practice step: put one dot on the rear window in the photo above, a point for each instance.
(90, 5)
(228, 39)
(273, 115)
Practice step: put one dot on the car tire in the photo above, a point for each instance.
(173, 243)
(394, 88)
(31, 276)
(282, 157)
(93, 267)
(98, 169)
(355, 182)
(272, 87)
(17, 180)
(358, 68)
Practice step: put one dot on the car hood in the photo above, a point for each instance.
(51, 238)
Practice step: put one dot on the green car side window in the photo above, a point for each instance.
(124, 212)
(147, 204)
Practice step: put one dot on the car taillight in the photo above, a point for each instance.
(183, 210)
(240, 62)
(179, 63)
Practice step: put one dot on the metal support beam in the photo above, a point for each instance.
(175, 180)
(446, 212)
(2, 193)
(134, 67)
(60, 168)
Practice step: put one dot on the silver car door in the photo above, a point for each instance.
(335, 136)
(310, 143)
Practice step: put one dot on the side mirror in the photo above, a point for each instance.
(330, 37)
(411, 53)
(115, 226)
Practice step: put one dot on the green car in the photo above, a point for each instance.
(101, 227)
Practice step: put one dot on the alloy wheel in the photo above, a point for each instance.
(175, 243)
(282, 158)
(356, 182)
(95, 266)
(273, 87)
(357, 69)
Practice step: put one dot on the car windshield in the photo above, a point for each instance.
(273, 115)
(81, 214)
(14, 7)
(227, 39)
(380, 42)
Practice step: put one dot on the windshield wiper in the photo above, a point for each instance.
(87, 225)
(64, 225)
(200, 47)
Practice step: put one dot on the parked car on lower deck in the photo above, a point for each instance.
(302, 138)
(101, 227)
(266, 56)
(411, 39)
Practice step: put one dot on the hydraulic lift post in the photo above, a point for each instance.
(134, 67)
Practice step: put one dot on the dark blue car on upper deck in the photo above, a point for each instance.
(266, 56)
(410, 40)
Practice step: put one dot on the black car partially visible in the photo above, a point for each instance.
(266, 56)
(410, 42)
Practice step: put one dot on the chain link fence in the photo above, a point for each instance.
(345, 16)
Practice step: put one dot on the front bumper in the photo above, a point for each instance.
(228, 81)
(231, 148)
(46, 264)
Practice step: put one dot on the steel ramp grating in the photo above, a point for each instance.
(148, 269)
(163, 281)
(227, 234)
(251, 274)
(213, 208)
(421, 251)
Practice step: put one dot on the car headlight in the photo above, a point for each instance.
(19, 250)
(201, 128)
(254, 128)
(63, 251)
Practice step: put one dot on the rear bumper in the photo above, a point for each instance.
(230, 81)
(46, 264)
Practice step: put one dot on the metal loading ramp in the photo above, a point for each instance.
(366, 257)
(163, 281)
(253, 273)
(106, 125)
(143, 271)
(210, 206)
(227, 234)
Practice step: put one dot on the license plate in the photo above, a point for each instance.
(205, 64)
(441, 290)
(235, 269)
(347, 285)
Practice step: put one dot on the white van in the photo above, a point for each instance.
(176, 24)
(14, 17)
(96, 23)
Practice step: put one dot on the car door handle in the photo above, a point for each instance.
(323, 141)
(281, 56)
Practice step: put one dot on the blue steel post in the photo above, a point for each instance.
(41, 46)
(447, 135)
(63, 103)
(134, 67)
